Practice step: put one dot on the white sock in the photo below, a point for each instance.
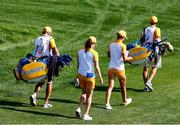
(149, 81)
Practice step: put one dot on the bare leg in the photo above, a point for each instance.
(81, 101)
(122, 82)
(48, 92)
(111, 78)
(145, 74)
(38, 88)
(152, 74)
(89, 93)
(82, 98)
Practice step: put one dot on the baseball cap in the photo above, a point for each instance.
(47, 29)
(153, 19)
(93, 39)
(122, 33)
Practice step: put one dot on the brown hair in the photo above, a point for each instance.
(153, 23)
(88, 45)
(119, 36)
(44, 31)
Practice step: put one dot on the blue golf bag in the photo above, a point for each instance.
(31, 70)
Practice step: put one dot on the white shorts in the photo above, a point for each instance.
(149, 63)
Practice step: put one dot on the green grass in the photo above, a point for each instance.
(72, 22)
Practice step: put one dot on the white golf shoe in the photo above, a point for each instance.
(87, 117)
(108, 106)
(128, 101)
(149, 85)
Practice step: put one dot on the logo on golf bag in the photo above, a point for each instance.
(139, 54)
(34, 70)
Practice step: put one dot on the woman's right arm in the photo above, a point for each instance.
(124, 56)
(96, 63)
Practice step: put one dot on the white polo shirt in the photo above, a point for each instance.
(152, 33)
(116, 60)
(86, 61)
(43, 45)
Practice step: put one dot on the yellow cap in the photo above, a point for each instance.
(153, 19)
(47, 29)
(122, 33)
(93, 39)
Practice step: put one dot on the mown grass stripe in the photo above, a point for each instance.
(72, 22)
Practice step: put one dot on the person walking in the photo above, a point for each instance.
(87, 59)
(151, 35)
(45, 47)
(117, 54)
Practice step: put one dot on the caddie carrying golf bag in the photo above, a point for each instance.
(32, 70)
(147, 52)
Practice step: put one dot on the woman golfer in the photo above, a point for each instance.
(117, 54)
(87, 59)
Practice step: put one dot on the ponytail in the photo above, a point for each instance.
(88, 45)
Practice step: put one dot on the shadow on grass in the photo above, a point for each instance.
(12, 103)
(97, 105)
(61, 100)
(116, 89)
(135, 90)
(7, 105)
(76, 102)
(104, 88)
(38, 113)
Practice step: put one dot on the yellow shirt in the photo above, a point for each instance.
(157, 33)
(52, 43)
(95, 53)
